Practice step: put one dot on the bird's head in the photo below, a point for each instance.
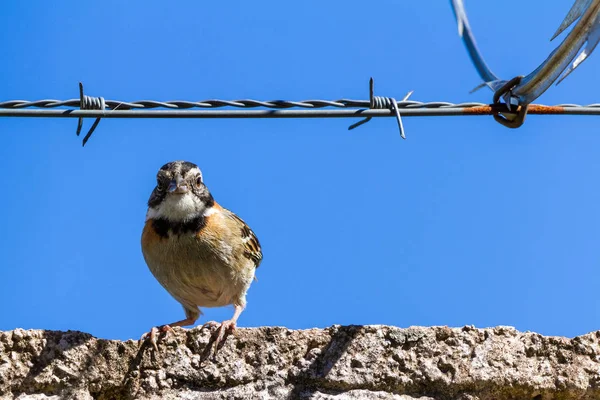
(180, 193)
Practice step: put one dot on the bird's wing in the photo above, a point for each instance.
(252, 249)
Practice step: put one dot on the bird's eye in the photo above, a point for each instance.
(199, 181)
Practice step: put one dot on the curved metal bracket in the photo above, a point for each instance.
(563, 59)
(505, 91)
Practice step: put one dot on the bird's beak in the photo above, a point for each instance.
(178, 185)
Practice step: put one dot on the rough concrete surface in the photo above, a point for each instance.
(341, 362)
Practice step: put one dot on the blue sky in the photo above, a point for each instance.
(465, 222)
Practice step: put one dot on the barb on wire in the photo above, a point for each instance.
(89, 103)
(379, 103)
(563, 60)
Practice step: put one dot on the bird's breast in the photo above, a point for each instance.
(194, 268)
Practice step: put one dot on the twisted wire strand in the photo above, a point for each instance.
(381, 103)
(182, 104)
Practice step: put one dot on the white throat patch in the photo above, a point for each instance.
(177, 208)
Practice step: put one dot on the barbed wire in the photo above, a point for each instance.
(376, 106)
(117, 105)
(406, 109)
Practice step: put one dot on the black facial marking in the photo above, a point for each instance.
(186, 166)
(207, 199)
(168, 166)
(163, 227)
(156, 198)
(203, 194)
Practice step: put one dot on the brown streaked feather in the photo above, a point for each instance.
(251, 243)
(225, 225)
(252, 249)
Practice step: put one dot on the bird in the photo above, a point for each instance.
(202, 254)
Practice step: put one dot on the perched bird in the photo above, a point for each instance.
(201, 253)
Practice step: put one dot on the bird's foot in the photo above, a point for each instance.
(218, 338)
(152, 336)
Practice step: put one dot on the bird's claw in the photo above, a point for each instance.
(152, 336)
(218, 337)
(210, 324)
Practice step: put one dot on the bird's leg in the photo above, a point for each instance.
(225, 328)
(229, 324)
